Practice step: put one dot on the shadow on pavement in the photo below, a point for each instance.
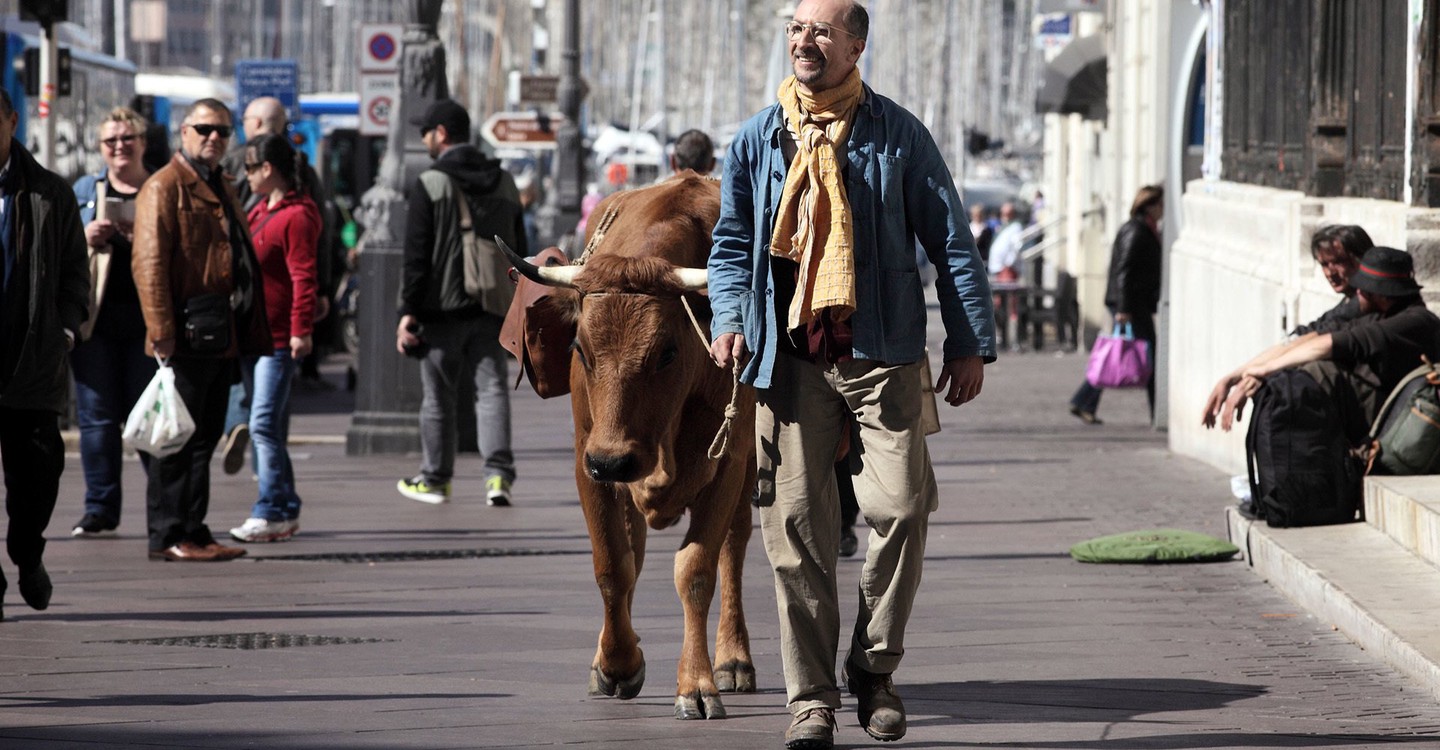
(1071, 701)
(1107, 701)
(253, 614)
(1198, 741)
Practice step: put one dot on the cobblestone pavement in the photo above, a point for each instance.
(391, 624)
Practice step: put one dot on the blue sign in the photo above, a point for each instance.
(277, 78)
(383, 47)
(1055, 25)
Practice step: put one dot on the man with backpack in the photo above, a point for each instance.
(1322, 392)
(447, 323)
(1361, 362)
(1336, 249)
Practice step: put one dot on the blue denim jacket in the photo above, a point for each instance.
(85, 194)
(900, 190)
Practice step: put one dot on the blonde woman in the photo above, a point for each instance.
(110, 364)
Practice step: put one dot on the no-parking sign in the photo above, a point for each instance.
(380, 47)
(379, 97)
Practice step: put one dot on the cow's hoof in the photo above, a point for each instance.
(735, 677)
(602, 684)
(688, 707)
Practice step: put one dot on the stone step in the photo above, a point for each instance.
(1356, 578)
(1407, 509)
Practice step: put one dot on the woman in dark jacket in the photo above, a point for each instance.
(1133, 291)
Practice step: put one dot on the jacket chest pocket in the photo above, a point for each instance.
(892, 182)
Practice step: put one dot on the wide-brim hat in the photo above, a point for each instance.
(1387, 272)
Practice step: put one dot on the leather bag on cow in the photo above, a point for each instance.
(539, 333)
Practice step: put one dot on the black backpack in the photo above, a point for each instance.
(1301, 470)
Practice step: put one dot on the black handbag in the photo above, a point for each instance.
(207, 324)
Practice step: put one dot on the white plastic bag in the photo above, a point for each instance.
(159, 424)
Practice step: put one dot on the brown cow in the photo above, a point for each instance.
(647, 401)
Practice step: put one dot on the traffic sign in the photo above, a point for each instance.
(525, 130)
(380, 47)
(277, 78)
(379, 97)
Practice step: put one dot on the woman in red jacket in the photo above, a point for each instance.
(285, 227)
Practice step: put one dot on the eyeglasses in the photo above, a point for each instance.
(822, 32)
(252, 167)
(204, 130)
(114, 141)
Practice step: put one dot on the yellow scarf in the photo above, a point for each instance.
(813, 226)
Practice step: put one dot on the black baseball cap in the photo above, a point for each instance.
(446, 112)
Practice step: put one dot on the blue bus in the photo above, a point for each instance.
(98, 83)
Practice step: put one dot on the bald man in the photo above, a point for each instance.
(264, 115)
(841, 350)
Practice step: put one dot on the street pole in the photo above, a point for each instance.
(388, 391)
(561, 211)
(49, 72)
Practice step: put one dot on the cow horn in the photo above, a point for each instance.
(563, 276)
(693, 279)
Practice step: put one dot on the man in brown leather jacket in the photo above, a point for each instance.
(197, 277)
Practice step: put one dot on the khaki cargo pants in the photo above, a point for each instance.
(799, 424)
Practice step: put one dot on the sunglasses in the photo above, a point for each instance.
(115, 141)
(251, 167)
(204, 130)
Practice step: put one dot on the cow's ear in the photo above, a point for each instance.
(557, 305)
(566, 304)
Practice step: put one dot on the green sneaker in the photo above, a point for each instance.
(416, 488)
(497, 492)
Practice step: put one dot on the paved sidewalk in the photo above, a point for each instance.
(460, 626)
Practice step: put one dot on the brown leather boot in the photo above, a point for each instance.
(881, 712)
(812, 730)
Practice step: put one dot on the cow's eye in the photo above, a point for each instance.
(667, 355)
(575, 347)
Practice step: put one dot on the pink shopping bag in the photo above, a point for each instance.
(1119, 360)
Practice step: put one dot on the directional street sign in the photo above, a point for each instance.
(524, 130)
(540, 89)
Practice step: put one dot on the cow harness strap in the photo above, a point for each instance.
(722, 438)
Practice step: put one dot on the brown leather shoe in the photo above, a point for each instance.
(184, 552)
(223, 553)
(811, 730)
(881, 712)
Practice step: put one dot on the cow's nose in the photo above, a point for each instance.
(613, 468)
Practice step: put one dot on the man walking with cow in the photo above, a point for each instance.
(816, 294)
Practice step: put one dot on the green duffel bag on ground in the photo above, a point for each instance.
(1154, 546)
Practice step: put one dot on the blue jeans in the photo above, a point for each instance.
(267, 380)
(238, 410)
(110, 375)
